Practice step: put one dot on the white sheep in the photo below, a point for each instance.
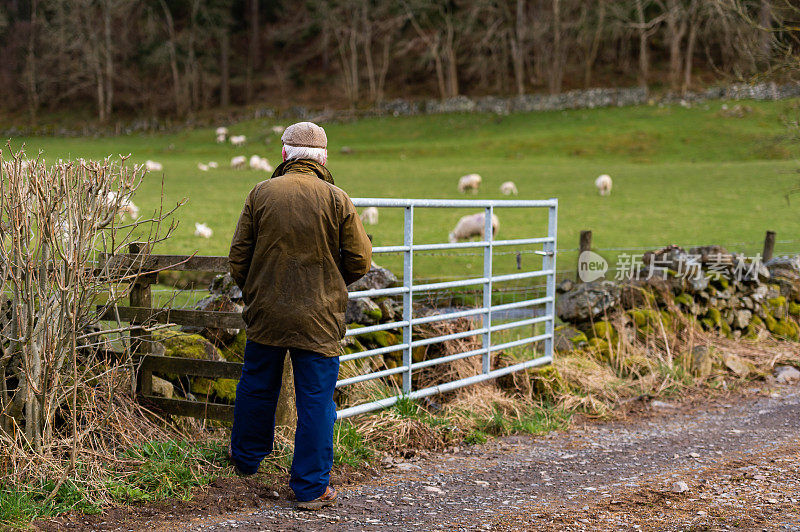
(221, 131)
(202, 167)
(260, 163)
(213, 164)
(221, 139)
(469, 182)
(509, 188)
(202, 230)
(239, 162)
(128, 207)
(238, 140)
(472, 225)
(153, 166)
(370, 216)
(603, 184)
(278, 130)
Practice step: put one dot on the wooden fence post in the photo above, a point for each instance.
(585, 244)
(141, 296)
(769, 246)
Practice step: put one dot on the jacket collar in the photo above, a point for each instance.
(303, 166)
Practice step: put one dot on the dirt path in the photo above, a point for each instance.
(739, 457)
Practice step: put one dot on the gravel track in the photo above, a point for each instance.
(738, 456)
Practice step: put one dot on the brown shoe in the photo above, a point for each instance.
(326, 499)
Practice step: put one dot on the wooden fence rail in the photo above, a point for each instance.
(141, 313)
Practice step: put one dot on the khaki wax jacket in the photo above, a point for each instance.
(298, 244)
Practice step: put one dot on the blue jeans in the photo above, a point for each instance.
(254, 414)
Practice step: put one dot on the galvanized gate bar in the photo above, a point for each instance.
(486, 311)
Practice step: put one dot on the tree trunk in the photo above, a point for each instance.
(518, 48)
(109, 57)
(556, 66)
(173, 60)
(253, 54)
(644, 59)
(765, 19)
(33, 95)
(595, 48)
(689, 59)
(676, 25)
(224, 68)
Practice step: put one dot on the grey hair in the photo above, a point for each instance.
(301, 152)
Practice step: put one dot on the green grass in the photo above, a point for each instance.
(680, 175)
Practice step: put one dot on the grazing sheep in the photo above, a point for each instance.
(221, 139)
(278, 130)
(260, 163)
(222, 130)
(239, 162)
(202, 167)
(153, 166)
(238, 140)
(472, 225)
(469, 182)
(213, 164)
(509, 188)
(128, 207)
(370, 216)
(603, 184)
(202, 230)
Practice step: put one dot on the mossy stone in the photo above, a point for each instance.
(777, 306)
(604, 330)
(794, 309)
(419, 353)
(715, 316)
(234, 352)
(201, 386)
(547, 382)
(225, 389)
(684, 299)
(192, 346)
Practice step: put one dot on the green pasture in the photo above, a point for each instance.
(681, 175)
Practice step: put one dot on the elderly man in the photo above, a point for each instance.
(298, 244)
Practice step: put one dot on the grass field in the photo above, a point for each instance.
(687, 176)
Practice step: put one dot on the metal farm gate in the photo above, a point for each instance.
(140, 313)
(409, 288)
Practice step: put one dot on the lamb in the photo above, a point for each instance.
(238, 140)
(238, 162)
(222, 130)
(472, 225)
(603, 184)
(213, 164)
(508, 188)
(153, 166)
(469, 182)
(202, 167)
(202, 230)
(370, 216)
(221, 139)
(278, 130)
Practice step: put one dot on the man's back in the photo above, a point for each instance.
(299, 241)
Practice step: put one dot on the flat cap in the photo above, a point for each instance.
(305, 134)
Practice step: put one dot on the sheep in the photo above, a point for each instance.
(153, 166)
(509, 188)
(128, 207)
(260, 163)
(238, 162)
(603, 184)
(202, 167)
(221, 139)
(238, 140)
(202, 230)
(221, 131)
(278, 130)
(213, 164)
(370, 216)
(472, 225)
(469, 182)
